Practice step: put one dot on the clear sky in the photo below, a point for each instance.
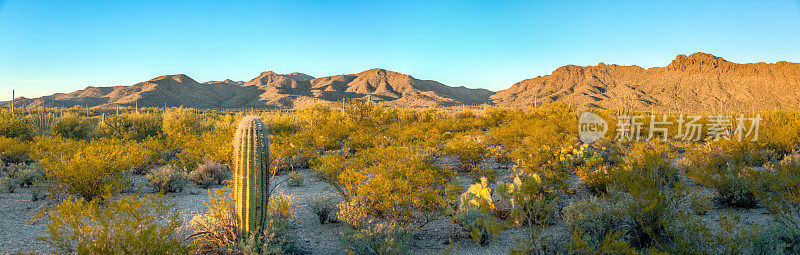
(62, 46)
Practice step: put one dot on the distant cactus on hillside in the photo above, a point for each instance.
(251, 174)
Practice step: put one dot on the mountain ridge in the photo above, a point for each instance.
(698, 81)
(268, 90)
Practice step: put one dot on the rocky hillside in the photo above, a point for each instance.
(270, 90)
(697, 82)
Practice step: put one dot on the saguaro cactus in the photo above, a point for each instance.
(251, 174)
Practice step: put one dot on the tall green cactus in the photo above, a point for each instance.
(251, 174)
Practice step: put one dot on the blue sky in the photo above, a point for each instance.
(62, 46)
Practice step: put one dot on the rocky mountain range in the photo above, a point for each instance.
(270, 90)
(697, 82)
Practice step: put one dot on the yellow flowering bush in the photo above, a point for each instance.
(393, 183)
(88, 169)
(127, 225)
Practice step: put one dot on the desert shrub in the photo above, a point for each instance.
(280, 206)
(29, 175)
(184, 122)
(720, 153)
(393, 183)
(291, 151)
(38, 191)
(592, 165)
(481, 227)
(14, 125)
(322, 206)
(733, 238)
(469, 150)
(208, 173)
(73, 126)
(213, 145)
(14, 150)
(595, 180)
(782, 235)
(8, 184)
(590, 221)
(128, 225)
(353, 214)
(169, 178)
(87, 169)
(275, 239)
(327, 129)
(734, 185)
(778, 184)
(215, 231)
(649, 203)
(780, 130)
(377, 238)
(700, 204)
(612, 243)
(500, 154)
(551, 125)
(157, 151)
(732, 182)
(296, 179)
(135, 125)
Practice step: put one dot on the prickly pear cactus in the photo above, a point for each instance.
(251, 174)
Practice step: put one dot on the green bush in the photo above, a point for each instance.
(128, 225)
(590, 220)
(169, 178)
(38, 191)
(87, 169)
(649, 203)
(395, 184)
(469, 150)
(209, 173)
(296, 179)
(14, 151)
(136, 125)
(376, 238)
(322, 206)
(726, 173)
(29, 175)
(8, 184)
(275, 239)
(481, 227)
(781, 236)
(179, 122)
(215, 230)
(280, 206)
(733, 183)
(791, 159)
(73, 126)
(777, 185)
(14, 125)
